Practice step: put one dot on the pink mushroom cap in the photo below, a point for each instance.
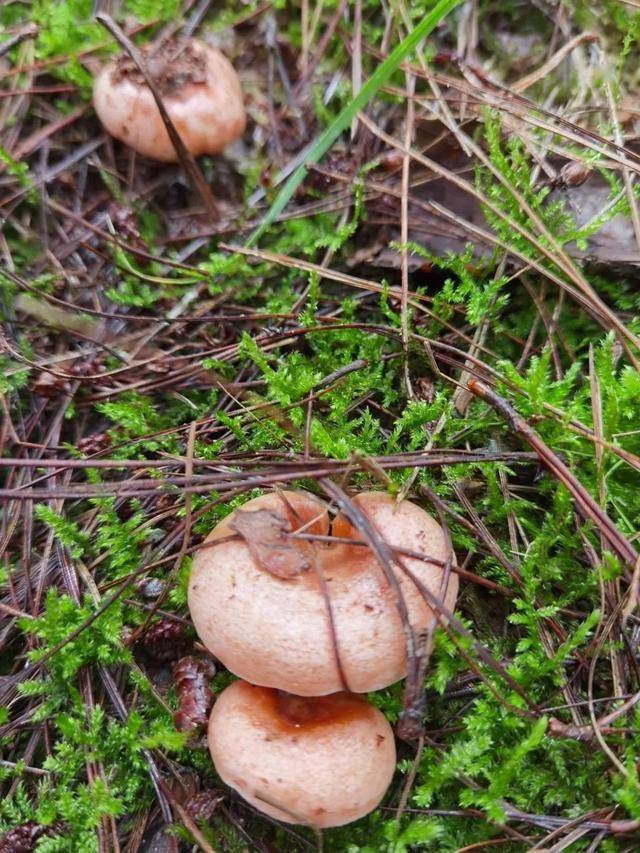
(200, 91)
(322, 761)
(291, 632)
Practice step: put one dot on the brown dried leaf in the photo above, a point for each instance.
(610, 250)
(264, 533)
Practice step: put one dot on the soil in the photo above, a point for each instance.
(172, 64)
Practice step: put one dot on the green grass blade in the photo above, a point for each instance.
(344, 119)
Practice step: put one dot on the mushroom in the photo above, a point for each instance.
(308, 617)
(200, 91)
(321, 761)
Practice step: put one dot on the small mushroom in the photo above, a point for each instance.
(200, 91)
(321, 761)
(308, 617)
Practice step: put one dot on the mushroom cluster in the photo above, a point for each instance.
(200, 91)
(302, 611)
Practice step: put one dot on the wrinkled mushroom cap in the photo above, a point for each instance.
(289, 633)
(319, 761)
(200, 91)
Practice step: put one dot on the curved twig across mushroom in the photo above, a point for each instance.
(200, 92)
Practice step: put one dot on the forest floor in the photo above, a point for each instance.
(417, 271)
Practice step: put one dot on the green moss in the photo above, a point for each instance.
(484, 751)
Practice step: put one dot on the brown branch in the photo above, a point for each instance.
(587, 506)
(386, 558)
(228, 481)
(28, 32)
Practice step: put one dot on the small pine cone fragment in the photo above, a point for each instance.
(22, 839)
(50, 385)
(165, 640)
(93, 443)
(164, 501)
(86, 366)
(202, 806)
(574, 174)
(126, 226)
(191, 675)
(425, 389)
(150, 588)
